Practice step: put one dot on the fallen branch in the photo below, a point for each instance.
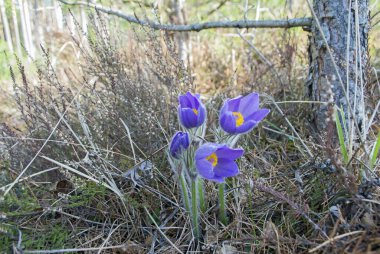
(289, 23)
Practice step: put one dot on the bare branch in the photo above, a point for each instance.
(297, 22)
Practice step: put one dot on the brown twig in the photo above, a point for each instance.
(289, 23)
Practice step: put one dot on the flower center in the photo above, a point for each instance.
(195, 111)
(239, 118)
(213, 159)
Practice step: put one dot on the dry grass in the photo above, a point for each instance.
(101, 182)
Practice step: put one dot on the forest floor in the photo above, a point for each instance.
(83, 143)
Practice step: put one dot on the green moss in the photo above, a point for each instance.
(18, 201)
(55, 237)
(86, 194)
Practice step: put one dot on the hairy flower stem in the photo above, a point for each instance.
(194, 207)
(201, 195)
(222, 204)
(184, 192)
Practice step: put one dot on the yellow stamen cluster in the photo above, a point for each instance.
(213, 159)
(195, 111)
(239, 118)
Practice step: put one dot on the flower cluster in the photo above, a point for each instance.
(237, 116)
(190, 157)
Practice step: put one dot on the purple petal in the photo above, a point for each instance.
(194, 99)
(188, 118)
(249, 104)
(204, 168)
(197, 100)
(184, 101)
(205, 150)
(226, 168)
(224, 109)
(258, 115)
(189, 100)
(174, 148)
(246, 127)
(228, 122)
(233, 104)
(178, 144)
(217, 179)
(227, 153)
(201, 117)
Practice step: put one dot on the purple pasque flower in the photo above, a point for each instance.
(215, 161)
(180, 142)
(191, 111)
(241, 114)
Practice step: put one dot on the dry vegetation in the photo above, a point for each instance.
(101, 181)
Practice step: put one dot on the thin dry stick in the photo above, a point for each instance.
(66, 142)
(291, 126)
(130, 139)
(162, 233)
(297, 22)
(122, 246)
(334, 239)
(30, 176)
(73, 170)
(75, 217)
(70, 129)
(108, 238)
(289, 136)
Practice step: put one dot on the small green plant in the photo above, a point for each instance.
(53, 238)
(375, 151)
(339, 114)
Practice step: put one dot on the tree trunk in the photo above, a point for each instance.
(23, 26)
(343, 22)
(38, 21)
(178, 17)
(30, 28)
(8, 37)
(16, 28)
(58, 15)
(83, 17)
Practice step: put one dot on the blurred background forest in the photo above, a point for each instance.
(88, 104)
(217, 58)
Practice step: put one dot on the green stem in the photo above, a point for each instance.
(184, 192)
(222, 204)
(202, 203)
(194, 207)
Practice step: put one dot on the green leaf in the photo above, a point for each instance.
(375, 151)
(339, 129)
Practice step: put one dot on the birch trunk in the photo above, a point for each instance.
(178, 17)
(38, 19)
(345, 25)
(16, 28)
(58, 15)
(83, 17)
(29, 27)
(23, 26)
(7, 31)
